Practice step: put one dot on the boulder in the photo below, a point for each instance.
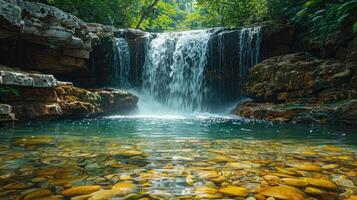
(80, 102)
(40, 23)
(35, 36)
(6, 113)
(30, 96)
(292, 77)
(115, 101)
(300, 88)
(27, 79)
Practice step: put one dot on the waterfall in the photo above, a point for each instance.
(196, 71)
(173, 72)
(249, 49)
(122, 63)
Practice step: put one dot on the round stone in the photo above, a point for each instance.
(234, 191)
(80, 190)
(284, 192)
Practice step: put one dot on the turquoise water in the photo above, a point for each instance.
(201, 126)
(176, 157)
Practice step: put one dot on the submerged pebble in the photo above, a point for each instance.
(96, 169)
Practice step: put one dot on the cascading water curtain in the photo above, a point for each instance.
(174, 69)
(249, 50)
(122, 63)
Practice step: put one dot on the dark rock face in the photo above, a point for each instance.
(101, 62)
(277, 40)
(300, 88)
(223, 70)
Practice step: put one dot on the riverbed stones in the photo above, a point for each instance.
(234, 191)
(352, 197)
(284, 192)
(33, 141)
(313, 191)
(54, 161)
(104, 194)
(237, 165)
(307, 167)
(17, 186)
(295, 182)
(255, 172)
(80, 190)
(36, 194)
(128, 153)
(124, 187)
(207, 174)
(205, 190)
(323, 183)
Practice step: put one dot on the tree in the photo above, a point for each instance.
(147, 12)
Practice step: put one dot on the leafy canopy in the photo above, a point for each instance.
(317, 18)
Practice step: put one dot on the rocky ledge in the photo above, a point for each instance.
(300, 88)
(33, 96)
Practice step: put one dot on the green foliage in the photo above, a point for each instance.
(355, 28)
(110, 12)
(318, 19)
(168, 14)
(228, 13)
(8, 90)
(94, 97)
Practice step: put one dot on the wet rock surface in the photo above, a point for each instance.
(300, 88)
(6, 113)
(71, 167)
(80, 102)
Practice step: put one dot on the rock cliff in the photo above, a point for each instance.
(32, 96)
(300, 88)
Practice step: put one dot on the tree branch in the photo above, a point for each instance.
(147, 12)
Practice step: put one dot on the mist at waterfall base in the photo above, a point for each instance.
(174, 77)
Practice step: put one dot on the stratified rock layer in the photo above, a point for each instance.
(35, 36)
(32, 96)
(300, 88)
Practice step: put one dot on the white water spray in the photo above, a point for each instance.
(122, 63)
(174, 69)
(249, 51)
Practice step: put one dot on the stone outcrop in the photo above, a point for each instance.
(80, 102)
(6, 113)
(35, 36)
(300, 88)
(114, 101)
(27, 79)
(103, 55)
(33, 96)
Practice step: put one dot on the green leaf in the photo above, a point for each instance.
(9, 90)
(342, 18)
(310, 3)
(348, 5)
(320, 12)
(354, 27)
(302, 12)
(318, 18)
